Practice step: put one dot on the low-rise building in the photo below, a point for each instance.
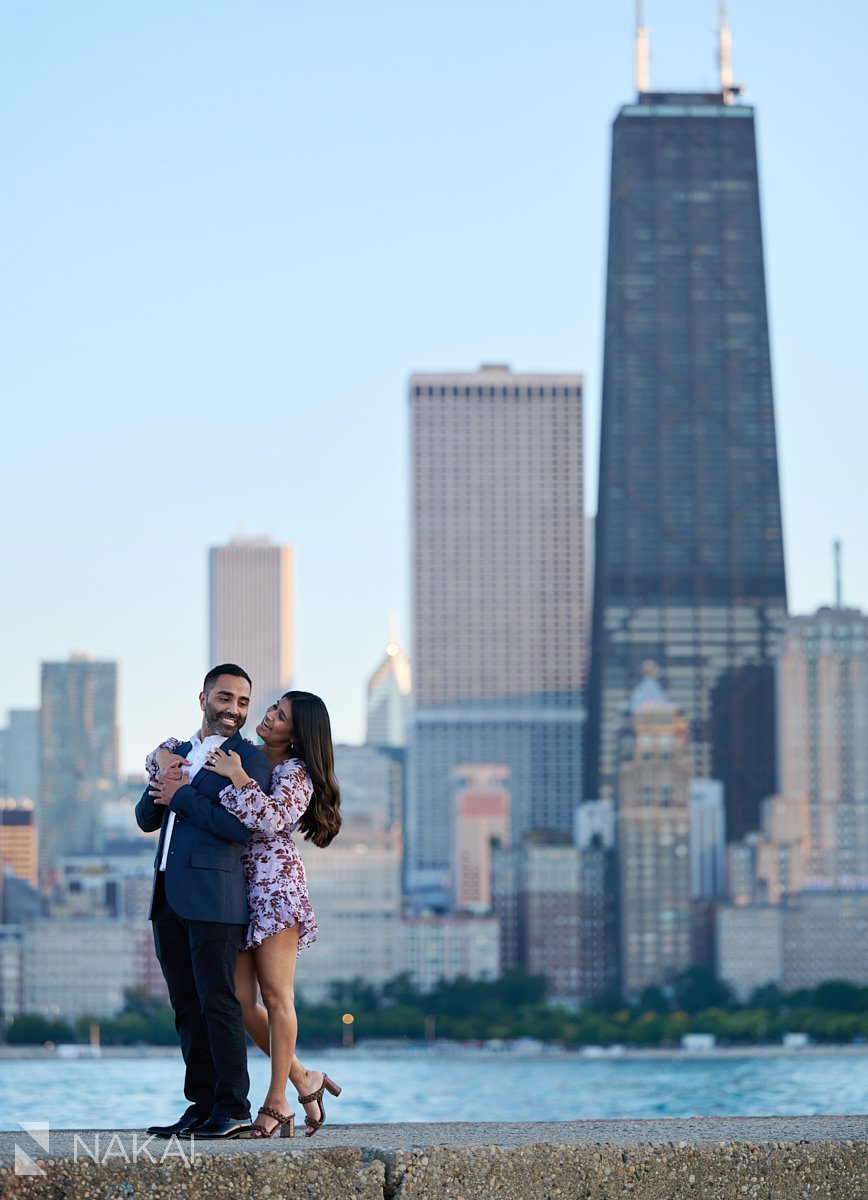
(459, 946)
(812, 937)
(355, 892)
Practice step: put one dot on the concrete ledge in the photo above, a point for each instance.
(796, 1158)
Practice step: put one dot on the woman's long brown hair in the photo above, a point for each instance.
(312, 743)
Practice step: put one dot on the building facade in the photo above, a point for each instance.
(457, 946)
(79, 756)
(689, 563)
(252, 614)
(551, 900)
(84, 966)
(653, 838)
(813, 937)
(19, 755)
(19, 846)
(707, 840)
(371, 779)
(498, 625)
(481, 815)
(598, 897)
(822, 698)
(355, 892)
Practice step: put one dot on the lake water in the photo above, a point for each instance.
(130, 1093)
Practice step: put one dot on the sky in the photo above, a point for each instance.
(229, 232)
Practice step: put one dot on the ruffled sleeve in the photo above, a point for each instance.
(151, 767)
(291, 792)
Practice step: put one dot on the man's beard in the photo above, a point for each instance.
(213, 725)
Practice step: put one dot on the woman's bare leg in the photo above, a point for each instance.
(256, 1024)
(254, 1015)
(275, 971)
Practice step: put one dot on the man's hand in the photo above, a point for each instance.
(168, 781)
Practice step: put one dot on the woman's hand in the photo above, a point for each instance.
(165, 759)
(228, 764)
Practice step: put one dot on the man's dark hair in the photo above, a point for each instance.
(224, 669)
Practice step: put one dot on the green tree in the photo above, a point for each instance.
(769, 996)
(837, 995)
(653, 1000)
(30, 1029)
(697, 988)
(354, 996)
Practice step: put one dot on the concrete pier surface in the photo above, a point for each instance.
(702, 1158)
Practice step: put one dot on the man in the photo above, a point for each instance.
(199, 907)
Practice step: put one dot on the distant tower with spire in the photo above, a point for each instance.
(388, 698)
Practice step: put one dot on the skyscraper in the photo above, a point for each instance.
(251, 614)
(653, 835)
(388, 698)
(79, 759)
(497, 537)
(480, 816)
(689, 566)
(822, 680)
(19, 755)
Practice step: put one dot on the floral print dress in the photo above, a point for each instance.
(276, 879)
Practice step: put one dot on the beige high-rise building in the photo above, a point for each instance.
(822, 715)
(653, 823)
(251, 614)
(498, 530)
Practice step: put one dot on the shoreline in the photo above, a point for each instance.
(387, 1049)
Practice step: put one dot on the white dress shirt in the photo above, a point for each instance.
(196, 756)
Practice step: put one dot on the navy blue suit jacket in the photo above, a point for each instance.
(204, 876)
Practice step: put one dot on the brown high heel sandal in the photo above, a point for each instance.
(283, 1125)
(312, 1123)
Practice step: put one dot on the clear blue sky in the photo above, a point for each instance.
(230, 231)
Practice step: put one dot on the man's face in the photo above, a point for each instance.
(225, 706)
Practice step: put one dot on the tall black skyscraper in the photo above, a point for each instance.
(689, 566)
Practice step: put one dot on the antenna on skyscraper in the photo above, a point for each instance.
(727, 87)
(837, 550)
(642, 50)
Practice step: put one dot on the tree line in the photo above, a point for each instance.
(513, 1007)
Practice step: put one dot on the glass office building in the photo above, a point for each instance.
(689, 567)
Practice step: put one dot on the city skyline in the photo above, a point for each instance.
(190, 270)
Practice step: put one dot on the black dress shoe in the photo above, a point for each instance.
(218, 1126)
(185, 1125)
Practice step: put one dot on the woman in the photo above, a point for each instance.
(296, 736)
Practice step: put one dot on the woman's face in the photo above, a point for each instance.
(275, 728)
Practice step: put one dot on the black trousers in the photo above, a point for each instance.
(198, 963)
